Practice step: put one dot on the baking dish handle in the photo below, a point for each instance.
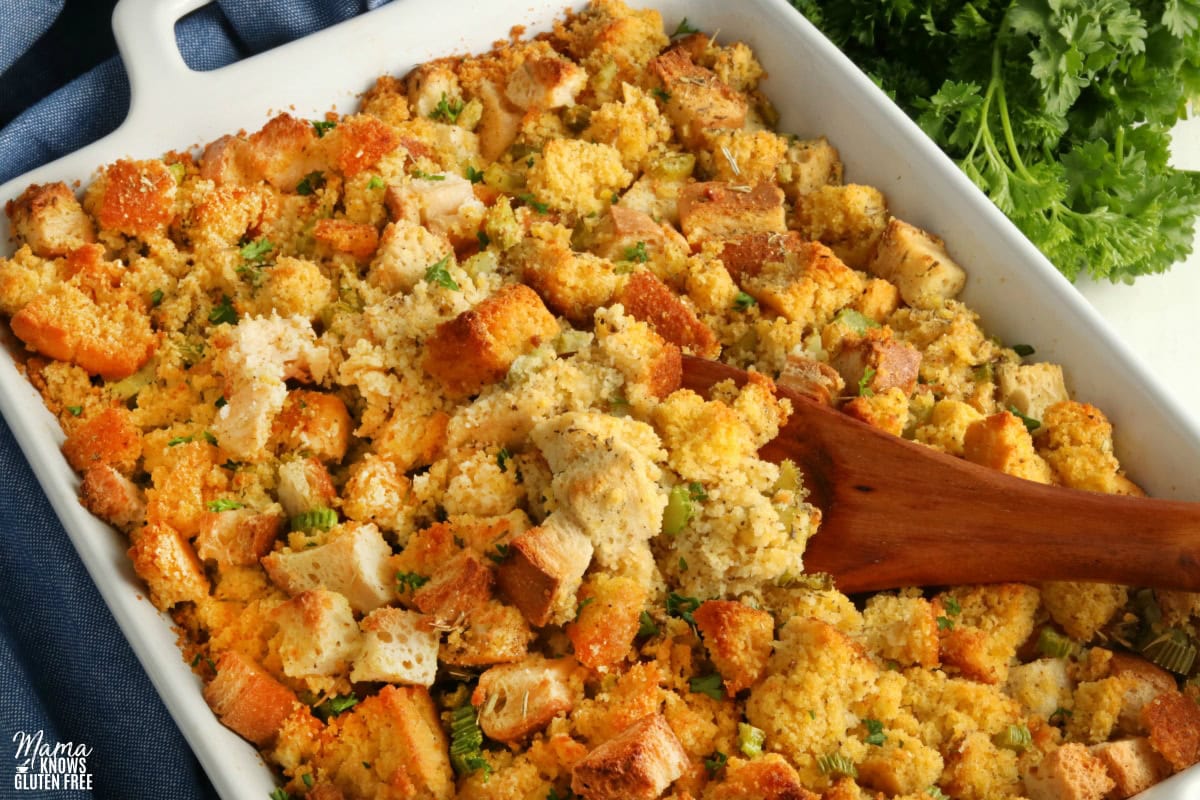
(145, 34)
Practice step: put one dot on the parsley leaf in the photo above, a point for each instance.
(310, 183)
(323, 126)
(531, 201)
(637, 253)
(682, 607)
(684, 29)
(156, 297)
(438, 275)
(744, 301)
(716, 762)
(410, 581)
(474, 175)
(257, 250)
(711, 685)
(223, 312)
(376, 182)
(447, 110)
(875, 734)
(646, 625)
(1031, 424)
(333, 706)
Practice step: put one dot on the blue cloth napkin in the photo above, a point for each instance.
(65, 668)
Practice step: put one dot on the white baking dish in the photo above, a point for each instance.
(1020, 296)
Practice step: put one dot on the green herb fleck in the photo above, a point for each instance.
(502, 459)
(280, 794)
(484, 239)
(333, 706)
(447, 110)
(438, 275)
(156, 297)
(178, 440)
(680, 606)
(716, 763)
(646, 625)
(875, 734)
(864, 383)
(75, 410)
(474, 175)
(308, 779)
(951, 605)
(945, 624)
(221, 402)
(427, 176)
(1023, 350)
(410, 581)
(1031, 424)
(500, 553)
(209, 437)
(257, 250)
(683, 565)
(661, 93)
(684, 29)
(1060, 715)
(743, 301)
(224, 504)
(637, 253)
(531, 201)
(323, 126)
(376, 182)
(710, 685)
(223, 312)
(310, 183)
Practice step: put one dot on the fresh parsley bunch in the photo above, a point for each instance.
(1059, 109)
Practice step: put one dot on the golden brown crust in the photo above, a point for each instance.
(1173, 722)
(738, 639)
(647, 298)
(247, 699)
(136, 197)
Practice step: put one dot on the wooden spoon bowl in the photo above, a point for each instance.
(896, 513)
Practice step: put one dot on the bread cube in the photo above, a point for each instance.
(230, 160)
(1143, 681)
(49, 219)
(354, 562)
(1002, 442)
(878, 300)
(647, 298)
(1132, 764)
(1172, 722)
(360, 141)
(356, 239)
(478, 346)
(1068, 773)
(767, 778)
(239, 537)
(610, 32)
(285, 150)
(543, 569)
(1082, 608)
(808, 286)
(493, 633)
(1041, 687)
(1031, 388)
(515, 700)
(313, 422)
(608, 620)
(108, 437)
(738, 639)
(744, 156)
(223, 217)
(398, 646)
(317, 634)
(744, 256)
(303, 484)
(1097, 704)
(699, 103)
(545, 82)
(431, 84)
(455, 588)
(378, 491)
(637, 764)
(902, 629)
(405, 251)
(136, 198)
(166, 561)
(876, 361)
(718, 210)
(850, 219)
(811, 378)
(903, 765)
(411, 439)
(887, 410)
(112, 497)
(1076, 440)
(386, 100)
(992, 622)
(947, 427)
(809, 164)
(917, 262)
(185, 480)
(572, 284)
(633, 126)
(647, 360)
(247, 699)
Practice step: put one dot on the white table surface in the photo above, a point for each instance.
(1158, 315)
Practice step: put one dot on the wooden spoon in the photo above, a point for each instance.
(896, 513)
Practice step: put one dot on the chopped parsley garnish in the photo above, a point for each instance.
(637, 253)
(951, 605)
(310, 183)
(744, 301)
(1031, 424)
(376, 182)
(447, 110)
(1060, 716)
(156, 297)
(710, 685)
(531, 201)
(474, 175)
(683, 565)
(684, 29)
(874, 732)
(646, 625)
(945, 624)
(682, 607)
(427, 176)
(221, 402)
(484, 239)
(223, 312)
(716, 763)
(584, 603)
(501, 553)
(661, 93)
(223, 504)
(864, 383)
(410, 581)
(75, 410)
(209, 437)
(697, 492)
(438, 275)
(308, 779)
(466, 742)
(323, 126)
(1023, 350)
(257, 250)
(333, 706)
(178, 440)
(502, 459)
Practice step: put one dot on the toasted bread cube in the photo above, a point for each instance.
(637, 764)
(992, 622)
(905, 766)
(878, 300)
(877, 361)
(49, 219)
(515, 700)
(360, 141)
(378, 491)
(353, 562)
(112, 497)
(609, 31)
(398, 646)
(1076, 439)
(545, 82)
(1068, 773)
(647, 360)
(182, 484)
(1144, 682)
(1002, 442)
(744, 256)
(1172, 721)
(394, 740)
(744, 156)
(448, 206)
(224, 216)
(647, 298)
(699, 102)
(478, 346)
(738, 639)
(285, 150)
(917, 262)
(572, 284)
(850, 219)
(405, 251)
(108, 437)
(625, 232)
(1031, 388)
(1132, 764)
(295, 287)
(902, 629)
(577, 176)
(455, 588)
(165, 560)
(230, 160)
(494, 633)
(543, 570)
(314, 422)
(317, 634)
(887, 410)
(609, 616)
(356, 239)
(1082, 608)
(247, 699)
(717, 210)
(767, 778)
(808, 286)
(239, 537)
(136, 198)
(386, 100)
(1097, 704)
(947, 427)
(811, 378)
(303, 484)
(809, 164)
(1042, 686)
(429, 85)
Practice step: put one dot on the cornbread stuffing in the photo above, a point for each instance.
(388, 406)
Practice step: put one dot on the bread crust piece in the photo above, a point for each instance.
(514, 700)
(738, 639)
(647, 298)
(1068, 773)
(247, 699)
(50, 220)
(543, 570)
(1173, 720)
(637, 764)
